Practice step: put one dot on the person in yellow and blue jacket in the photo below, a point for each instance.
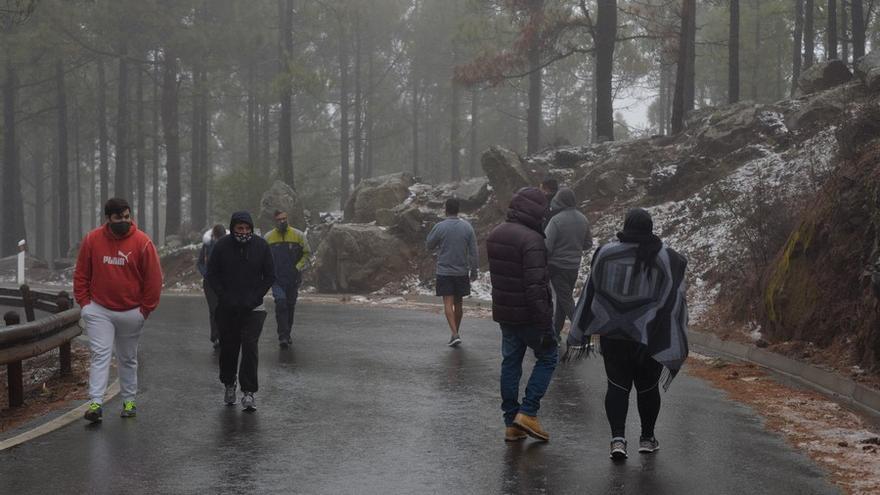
(290, 251)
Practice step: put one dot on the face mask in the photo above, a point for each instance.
(243, 238)
(282, 227)
(120, 228)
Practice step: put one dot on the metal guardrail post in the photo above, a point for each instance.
(14, 378)
(28, 300)
(63, 302)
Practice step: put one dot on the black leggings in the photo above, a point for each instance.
(627, 363)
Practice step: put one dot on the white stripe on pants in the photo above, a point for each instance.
(110, 330)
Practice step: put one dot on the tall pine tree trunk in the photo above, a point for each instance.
(796, 57)
(170, 132)
(195, 160)
(344, 184)
(759, 55)
(733, 54)
(77, 169)
(844, 32)
(533, 114)
(683, 100)
(13, 228)
(140, 151)
(121, 178)
(858, 29)
(102, 137)
(39, 178)
(285, 126)
(809, 33)
(606, 34)
(63, 175)
(831, 44)
(253, 135)
(154, 140)
(358, 105)
(475, 119)
(416, 104)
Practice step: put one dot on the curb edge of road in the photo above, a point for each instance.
(55, 424)
(825, 382)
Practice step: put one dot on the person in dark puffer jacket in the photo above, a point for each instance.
(521, 304)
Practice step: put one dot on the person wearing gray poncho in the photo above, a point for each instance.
(635, 301)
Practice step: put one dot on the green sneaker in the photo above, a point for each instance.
(94, 412)
(129, 409)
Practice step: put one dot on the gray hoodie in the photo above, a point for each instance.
(568, 232)
(456, 245)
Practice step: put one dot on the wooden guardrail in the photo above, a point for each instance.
(20, 341)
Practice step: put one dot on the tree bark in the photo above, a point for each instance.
(797, 57)
(858, 29)
(606, 34)
(756, 63)
(170, 131)
(140, 151)
(63, 175)
(121, 179)
(343, 119)
(358, 105)
(154, 140)
(369, 114)
(809, 33)
(831, 44)
(40, 248)
(77, 168)
(681, 104)
(265, 128)
(416, 104)
(204, 167)
(475, 119)
(13, 227)
(844, 32)
(533, 114)
(195, 160)
(102, 137)
(285, 129)
(733, 54)
(252, 116)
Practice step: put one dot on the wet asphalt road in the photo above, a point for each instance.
(371, 401)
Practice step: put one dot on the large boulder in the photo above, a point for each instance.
(729, 128)
(824, 107)
(824, 75)
(281, 197)
(377, 193)
(360, 258)
(868, 70)
(506, 173)
(473, 193)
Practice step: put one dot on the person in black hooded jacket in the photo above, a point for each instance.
(241, 271)
(521, 304)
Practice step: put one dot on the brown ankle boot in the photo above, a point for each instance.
(514, 434)
(531, 426)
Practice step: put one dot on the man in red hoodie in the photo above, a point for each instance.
(117, 282)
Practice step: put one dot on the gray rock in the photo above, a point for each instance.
(505, 172)
(824, 75)
(868, 70)
(281, 197)
(377, 193)
(360, 258)
(473, 193)
(824, 107)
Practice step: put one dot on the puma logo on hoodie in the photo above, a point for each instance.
(120, 260)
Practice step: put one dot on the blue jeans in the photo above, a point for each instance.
(514, 342)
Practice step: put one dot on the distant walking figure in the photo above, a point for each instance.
(567, 237)
(117, 282)
(635, 300)
(290, 251)
(457, 264)
(208, 242)
(240, 271)
(521, 305)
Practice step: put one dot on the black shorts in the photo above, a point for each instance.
(453, 285)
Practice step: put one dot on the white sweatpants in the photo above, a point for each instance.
(108, 331)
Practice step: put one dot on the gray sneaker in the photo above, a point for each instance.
(454, 340)
(648, 445)
(248, 402)
(229, 396)
(618, 448)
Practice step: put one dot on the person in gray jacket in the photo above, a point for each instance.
(567, 236)
(457, 264)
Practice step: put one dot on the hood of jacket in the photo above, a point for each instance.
(240, 217)
(563, 199)
(528, 207)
